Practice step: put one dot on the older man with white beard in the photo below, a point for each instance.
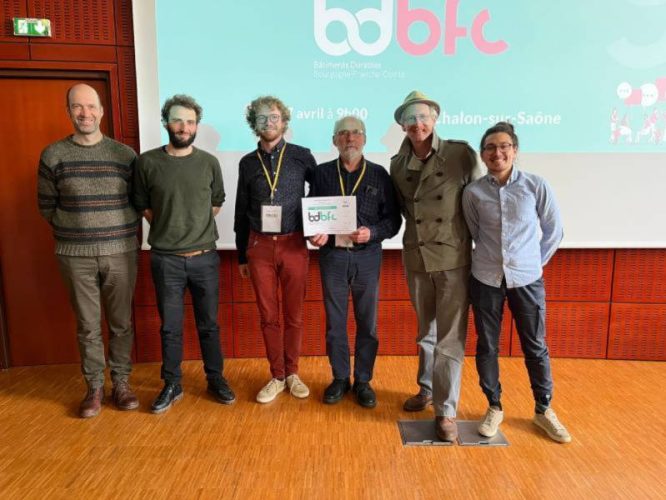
(352, 262)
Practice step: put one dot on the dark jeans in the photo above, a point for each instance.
(342, 270)
(200, 274)
(528, 306)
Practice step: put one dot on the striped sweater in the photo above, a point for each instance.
(84, 193)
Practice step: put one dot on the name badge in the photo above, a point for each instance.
(343, 241)
(271, 218)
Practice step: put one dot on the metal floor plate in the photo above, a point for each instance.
(468, 435)
(422, 433)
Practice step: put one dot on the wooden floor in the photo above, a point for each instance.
(615, 411)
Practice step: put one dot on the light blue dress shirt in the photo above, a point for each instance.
(516, 228)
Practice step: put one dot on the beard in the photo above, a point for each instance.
(179, 143)
(351, 154)
(269, 133)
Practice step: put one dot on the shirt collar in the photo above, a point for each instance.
(512, 178)
(278, 147)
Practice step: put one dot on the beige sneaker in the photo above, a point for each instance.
(270, 391)
(490, 423)
(296, 386)
(549, 423)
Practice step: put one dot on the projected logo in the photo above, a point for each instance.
(445, 32)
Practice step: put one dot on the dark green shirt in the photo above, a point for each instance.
(181, 191)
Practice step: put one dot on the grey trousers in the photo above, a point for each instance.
(96, 282)
(441, 302)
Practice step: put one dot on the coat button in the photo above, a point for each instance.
(416, 200)
(418, 221)
(421, 244)
(409, 179)
(439, 219)
(439, 174)
(439, 196)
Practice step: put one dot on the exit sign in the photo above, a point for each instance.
(24, 26)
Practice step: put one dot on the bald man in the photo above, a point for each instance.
(83, 192)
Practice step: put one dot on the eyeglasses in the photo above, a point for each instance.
(347, 133)
(504, 147)
(413, 119)
(274, 118)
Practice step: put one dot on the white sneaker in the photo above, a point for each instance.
(296, 386)
(270, 391)
(549, 423)
(490, 423)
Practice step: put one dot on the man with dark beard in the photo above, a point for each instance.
(269, 237)
(180, 191)
(352, 262)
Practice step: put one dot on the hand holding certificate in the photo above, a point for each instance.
(329, 215)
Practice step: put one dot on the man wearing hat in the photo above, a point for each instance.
(429, 175)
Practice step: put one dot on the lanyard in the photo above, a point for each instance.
(358, 182)
(272, 185)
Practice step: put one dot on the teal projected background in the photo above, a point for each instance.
(573, 75)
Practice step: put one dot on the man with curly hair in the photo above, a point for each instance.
(269, 238)
(180, 191)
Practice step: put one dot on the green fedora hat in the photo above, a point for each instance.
(414, 97)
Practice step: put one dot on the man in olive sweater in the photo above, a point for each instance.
(179, 189)
(83, 192)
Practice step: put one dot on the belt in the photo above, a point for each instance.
(355, 248)
(194, 253)
(276, 237)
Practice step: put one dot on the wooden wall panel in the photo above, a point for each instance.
(241, 288)
(640, 276)
(248, 342)
(147, 333)
(392, 281)
(313, 289)
(584, 275)
(396, 328)
(637, 331)
(55, 52)
(76, 21)
(128, 100)
(573, 330)
(505, 334)
(14, 51)
(124, 28)
(314, 329)
(8, 10)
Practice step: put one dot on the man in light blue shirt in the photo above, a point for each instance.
(516, 227)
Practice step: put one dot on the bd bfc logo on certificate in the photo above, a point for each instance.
(322, 214)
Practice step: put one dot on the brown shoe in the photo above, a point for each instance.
(92, 403)
(123, 397)
(417, 403)
(446, 428)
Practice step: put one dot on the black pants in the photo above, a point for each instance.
(172, 274)
(528, 306)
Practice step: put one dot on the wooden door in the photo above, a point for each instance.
(41, 328)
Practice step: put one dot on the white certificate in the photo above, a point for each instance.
(329, 215)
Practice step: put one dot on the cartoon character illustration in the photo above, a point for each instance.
(649, 128)
(620, 130)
